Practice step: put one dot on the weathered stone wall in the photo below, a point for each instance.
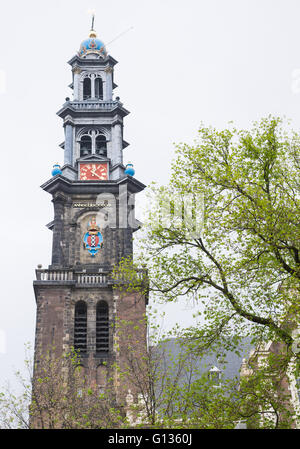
(55, 329)
(56, 297)
(70, 226)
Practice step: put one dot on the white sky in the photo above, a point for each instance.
(183, 62)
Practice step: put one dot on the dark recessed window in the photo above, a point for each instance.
(99, 88)
(101, 145)
(87, 88)
(80, 327)
(215, 376)
(102, 327)
(85, 146)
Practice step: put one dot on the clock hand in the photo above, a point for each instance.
(95, 174)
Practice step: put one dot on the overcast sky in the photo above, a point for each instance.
(183, 62)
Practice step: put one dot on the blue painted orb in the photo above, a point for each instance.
(56, 170)
(92, 45)
(129, 170)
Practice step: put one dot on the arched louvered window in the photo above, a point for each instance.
(99, 88)
(102, 327)
(85, 145)
(80, 327)
(87, 88)
(101, 145)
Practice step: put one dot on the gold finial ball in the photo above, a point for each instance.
(93, 34)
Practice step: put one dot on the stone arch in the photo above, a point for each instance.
(81, 214)
(87, 130)
(93, 75)
(101, 377)
(83, 76)
(92, 132)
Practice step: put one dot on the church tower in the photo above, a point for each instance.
(78, 303)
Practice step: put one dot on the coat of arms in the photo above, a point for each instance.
(93, 240)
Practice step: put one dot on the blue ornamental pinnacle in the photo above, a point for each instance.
(129, 170)
(56, 170)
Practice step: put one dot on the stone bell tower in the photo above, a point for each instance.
(93, 198)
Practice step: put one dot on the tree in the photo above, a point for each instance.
(262, 399)
(57, 394)
(157, 376)
(171, 389)
(176, 388)
(244, 265)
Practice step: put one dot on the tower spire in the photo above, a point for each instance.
(93, 21)
(77, 288)
(93, 33)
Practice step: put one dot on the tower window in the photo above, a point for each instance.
(99, 88)
(102, 327)
(80, 327)
(87, 88)
(85, 145)
(214, 376)
(101, 145)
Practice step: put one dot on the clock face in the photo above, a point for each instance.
(93, 172)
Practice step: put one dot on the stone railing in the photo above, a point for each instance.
(54, 275)
(83, 105)
(69, 275)
(91, 278)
